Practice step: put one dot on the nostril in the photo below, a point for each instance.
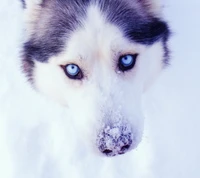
(124, 148)
(107, 151)
(112, 141)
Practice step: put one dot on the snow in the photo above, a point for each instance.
(171, 146)
(175, 105)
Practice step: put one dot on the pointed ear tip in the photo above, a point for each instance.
(26, 4)
(23, 3)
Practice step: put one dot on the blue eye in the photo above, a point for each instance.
(127, 62)
(73, 71)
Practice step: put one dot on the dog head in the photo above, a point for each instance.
(96, 58)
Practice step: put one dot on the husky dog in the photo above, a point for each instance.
(97, 57)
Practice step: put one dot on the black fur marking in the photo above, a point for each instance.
(23, 4)
(148, 33)
(167, 53)
(137, 24)
(59, 18)
(64, 17)
(27, 67)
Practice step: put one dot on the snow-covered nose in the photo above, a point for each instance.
(115, 140)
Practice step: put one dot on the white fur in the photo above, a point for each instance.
(48, 143)
(96, 49)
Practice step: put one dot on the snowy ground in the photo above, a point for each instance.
(171, 107)
(175, 108)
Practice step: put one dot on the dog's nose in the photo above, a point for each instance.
(113, 141)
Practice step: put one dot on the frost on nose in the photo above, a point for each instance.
(115, 140)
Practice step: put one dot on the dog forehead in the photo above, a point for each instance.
(57, 20)
(97, 38)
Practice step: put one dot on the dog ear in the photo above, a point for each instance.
(31, 3)
(23, 3)
(32, 11)
(154, 6)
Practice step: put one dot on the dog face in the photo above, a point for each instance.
(96, 58)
